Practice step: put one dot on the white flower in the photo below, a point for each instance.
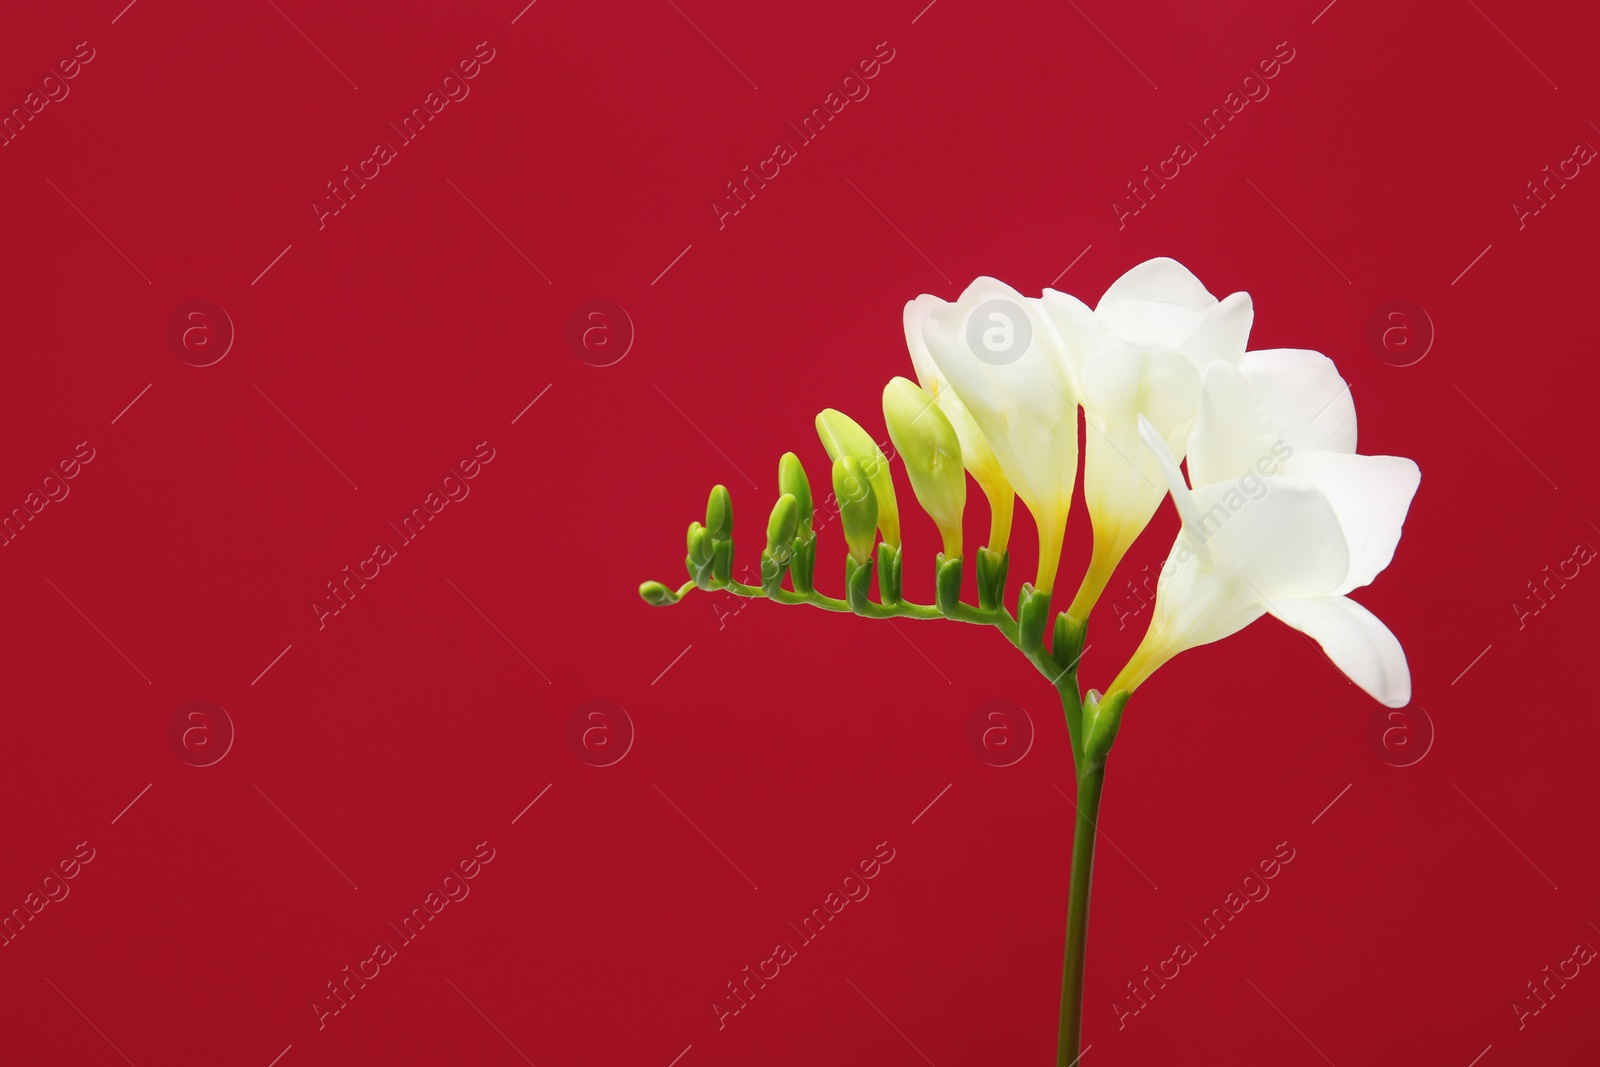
(1139, 354)
(1000, 356)
(1283, 518)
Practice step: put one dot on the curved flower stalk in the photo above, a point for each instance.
(1280, 516)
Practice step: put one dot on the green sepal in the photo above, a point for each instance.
(722, 562)
(992, 567)
(1067, 646)
(1033, 614)
(719, 513)
(889, 574)
(658, 595)
(1103, 718)
(698, 562)
(804, 563)
(947, 583)
(771, 573)
(858, 586)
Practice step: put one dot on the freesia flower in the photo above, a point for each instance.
(1280, 517)
(976, 455)
(999, 355)
(1139, 354)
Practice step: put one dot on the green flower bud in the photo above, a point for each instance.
(782, 528)
(804, 563)
(657, 594)
(927, 444)
(698, 562)
(858, 507)
(1033, 612)
(792, 480)
(992, 568)
(719, 514)
(842, 438)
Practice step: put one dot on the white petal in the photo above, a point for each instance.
(1279, 536)
(1357, 642)
(1163, 281)
(1222, 332)
(1156, 303)
(1026, 408)
(1310, 403)
(976, 455)
(1371, 495)
(1233, 434)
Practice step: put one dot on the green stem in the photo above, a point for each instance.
(1091, 776)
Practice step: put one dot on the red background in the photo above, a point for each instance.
(428, 714)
